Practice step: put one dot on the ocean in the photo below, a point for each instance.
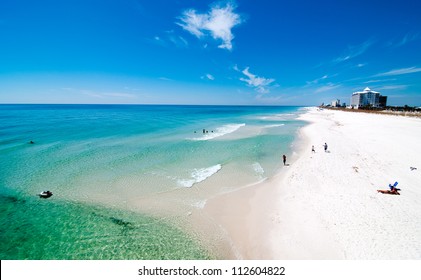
(125, 178)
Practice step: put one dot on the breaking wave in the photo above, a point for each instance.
(258, 169)
(274, 125)
(220, 131)
(199, 175)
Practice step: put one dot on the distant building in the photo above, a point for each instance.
(336, 103)
(382, 101)
(368, 97)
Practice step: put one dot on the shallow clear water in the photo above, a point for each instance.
(109, 154)
(33, 228)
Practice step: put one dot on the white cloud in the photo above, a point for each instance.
(354, 51)
(409, 37)
(178, 41)
(208, 76)
(168, 39)
(217, 23)
(101, 95)
(165, 79)
(393, 87)
(316, 81)
(260, 84)
(119, 94)
(327, 87)
(401, 71)
(379, 81)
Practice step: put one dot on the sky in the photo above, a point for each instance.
(242, 52)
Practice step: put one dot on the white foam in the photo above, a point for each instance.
(220, 131)
(200, 204)
(199, 175)
(278, 117)
(258, 169)
(274, 125)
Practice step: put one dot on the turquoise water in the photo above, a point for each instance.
(101, 160)
(39, 229)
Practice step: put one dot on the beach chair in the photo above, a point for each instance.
(394, 186)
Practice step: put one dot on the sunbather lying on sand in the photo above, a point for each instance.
(393, 191)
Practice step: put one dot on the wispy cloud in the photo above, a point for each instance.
(327, 87)
(379, 81)
(208, 76)
(409, 37)
(107, 94)
(178, 41)
(101, 95)
(166, 79)
(401, 71)
(157, 40)
(316, 81)
(393, 87)
(217, 22)
(354, 51)
(119, 94)
(169, 39)
(260, 84)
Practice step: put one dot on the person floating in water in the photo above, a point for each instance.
(45, 194)
(31, 142)
(284, 158)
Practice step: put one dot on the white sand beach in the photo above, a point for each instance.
(325, 205)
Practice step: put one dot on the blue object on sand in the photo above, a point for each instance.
(394, 186)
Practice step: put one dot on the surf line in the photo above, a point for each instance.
(199, 175)
(220, 131)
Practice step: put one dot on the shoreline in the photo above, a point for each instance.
(326, 205)
(242, 213)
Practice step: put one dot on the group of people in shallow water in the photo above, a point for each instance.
(204, 131)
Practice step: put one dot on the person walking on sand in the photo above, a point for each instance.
(284, 157)
(312, 149)
(325, 145)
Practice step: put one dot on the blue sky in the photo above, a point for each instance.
(240, 52)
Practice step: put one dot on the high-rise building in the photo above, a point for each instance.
(368, 97)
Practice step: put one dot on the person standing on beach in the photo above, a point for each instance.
(325, 145)
(312, 149)
(284, 157)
